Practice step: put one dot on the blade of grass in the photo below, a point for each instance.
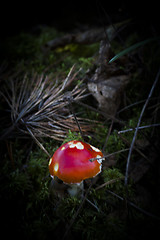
(131, 48)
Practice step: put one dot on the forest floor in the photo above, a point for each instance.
(49, 79)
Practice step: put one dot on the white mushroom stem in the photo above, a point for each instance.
(76, 189)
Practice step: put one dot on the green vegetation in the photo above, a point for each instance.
(72, 136)
(27, 53)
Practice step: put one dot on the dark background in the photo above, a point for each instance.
(67, 15)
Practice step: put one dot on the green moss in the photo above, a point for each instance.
(27, 45)
(68, 208)
(80, 50)
(115, 180)
(26, 52)
(115, 143)
(72, 136)
(19, 182)
(76, 54)
(111, 174)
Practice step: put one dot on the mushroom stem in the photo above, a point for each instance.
(76, 189)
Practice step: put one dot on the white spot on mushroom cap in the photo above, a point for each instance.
(62, 148)
(78, 145)
(100, 168)
(50, 161)
(95, 149)
(56, 167)
(99, 159)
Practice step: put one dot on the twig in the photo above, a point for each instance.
(134, 147)
(142, 127)
(93, 205)
(109, 155)
(109, 182)
(138, 124)
(69, 98)
(108, 135)
(67, 78)
(38, 143)
(134, 205)
(101, 112)
(134, 104)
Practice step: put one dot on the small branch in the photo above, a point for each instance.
(109, 182)
(109, 155)
(108, 135)
(138, 124)
(38, 143)
(67, 78)
(142, 127)
(134, 205)
(100, 112)
(135, 148)
(87, 37)
(69, 98)
(93, 205)
(134, 104)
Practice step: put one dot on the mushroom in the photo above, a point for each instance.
(73, 163)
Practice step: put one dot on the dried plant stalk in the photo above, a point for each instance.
(38, 107)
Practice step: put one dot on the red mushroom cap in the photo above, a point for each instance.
(71, 164)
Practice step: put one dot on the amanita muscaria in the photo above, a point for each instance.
(71, 162)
